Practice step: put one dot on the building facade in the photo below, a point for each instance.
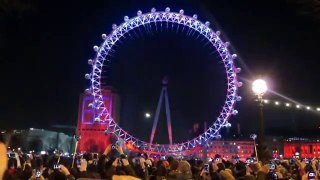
(228, 148)
(305, 148)
(92, 136)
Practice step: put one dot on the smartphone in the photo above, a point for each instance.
(311, 175)
(95, 156)
(236, 159)
(206, 167)
(272, 166)
(95, 162)
(78, 163)
(38, 173)
(248, 161)
(119, 142)
(56, 166)
(77, 137)
(307, 161)
(292, 160)
(12, 155)
(274, 176)
(43, 152)
(119, 162)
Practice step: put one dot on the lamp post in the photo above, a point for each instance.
(259, 88)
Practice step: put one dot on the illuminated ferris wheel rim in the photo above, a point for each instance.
(147, 19)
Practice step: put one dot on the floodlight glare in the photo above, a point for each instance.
(259, 87)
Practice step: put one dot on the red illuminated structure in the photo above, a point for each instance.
(305, 149)
(93, 138)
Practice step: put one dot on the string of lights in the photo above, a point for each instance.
(291, 105)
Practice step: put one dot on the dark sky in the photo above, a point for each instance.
(44, 48)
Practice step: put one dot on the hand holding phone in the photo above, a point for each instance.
(56, 166)
(272, 166)
(206, 168)
(119, 162)
(95, 156)
(78, 163)
(311, 175)
(38, 173)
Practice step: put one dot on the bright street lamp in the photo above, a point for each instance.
(259, 87)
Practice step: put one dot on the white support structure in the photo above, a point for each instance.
(164, 93)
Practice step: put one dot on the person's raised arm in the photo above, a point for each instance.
(102, 160)
(112, 170)
(66, 172)
(129, 170)
(3, 159)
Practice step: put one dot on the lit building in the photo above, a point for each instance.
(306, 148)
(229, 148)
(93, 138)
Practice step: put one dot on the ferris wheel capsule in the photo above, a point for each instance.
(181, 11)
(238, 98)
(228, 125)
(234, 56)
(139, 13)
(90, 62)
(239, 84)
(126, 18)
(153, 10)
(167, 9)
(238, 70)
(114, 26)
(90, 105)
(234, 112)
(227, 44)
(95, 48)
(104, 36)
(207, 23)
(218, 33)
(97, 119)
(195, 16)
(218, 136)
(87, 76)
(87, 91)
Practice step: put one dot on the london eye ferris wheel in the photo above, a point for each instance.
(146, 20)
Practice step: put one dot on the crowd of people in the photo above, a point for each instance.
(114, 164)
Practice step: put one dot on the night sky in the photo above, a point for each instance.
(44, 48)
